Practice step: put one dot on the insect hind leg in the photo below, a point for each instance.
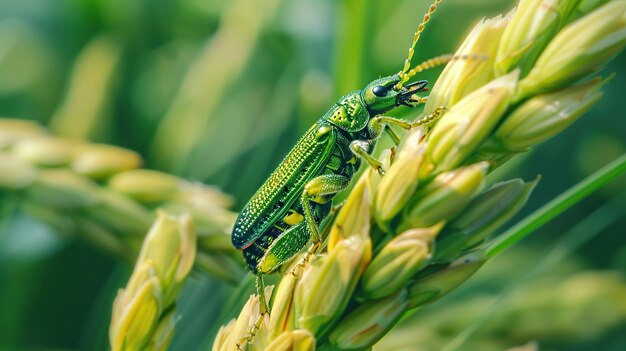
(263, 310)
(284, 247)
(318, 190)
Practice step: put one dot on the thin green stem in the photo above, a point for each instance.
(352, 49)
(582, 233)
(557, 206)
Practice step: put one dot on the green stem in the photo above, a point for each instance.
(582, 233)
(557, 206)
(352, 49)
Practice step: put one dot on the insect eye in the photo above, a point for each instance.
(379, 90)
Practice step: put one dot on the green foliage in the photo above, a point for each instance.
(248, 78)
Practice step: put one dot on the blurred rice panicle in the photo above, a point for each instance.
(144, 313)
(100, 193)
(404, 240)
(595, 295)
(399, 242)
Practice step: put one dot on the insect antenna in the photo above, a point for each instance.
(416, 37)
(441, 60)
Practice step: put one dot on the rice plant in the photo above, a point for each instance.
(406, 239)
(103, 247)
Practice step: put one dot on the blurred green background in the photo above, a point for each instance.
(218, 91)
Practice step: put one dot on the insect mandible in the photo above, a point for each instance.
(284, 214)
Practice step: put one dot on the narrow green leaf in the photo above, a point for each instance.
(582, 233)
(557, 206)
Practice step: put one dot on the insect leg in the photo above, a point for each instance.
(317, 190)
(284, 247)
(360, 148)
(393, 135)
(431, 117)
(377, 123)
(260, 288)
(263, 310)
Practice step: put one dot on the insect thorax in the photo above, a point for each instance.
(349, 113)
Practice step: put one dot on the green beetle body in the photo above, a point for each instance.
(285, 213)
(277, 221)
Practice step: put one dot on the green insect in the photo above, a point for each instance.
(284, 214)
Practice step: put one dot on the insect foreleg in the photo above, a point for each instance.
(393, 135)
(377, 124)
(429, 118)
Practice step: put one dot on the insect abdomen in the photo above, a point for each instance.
(277, 195)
